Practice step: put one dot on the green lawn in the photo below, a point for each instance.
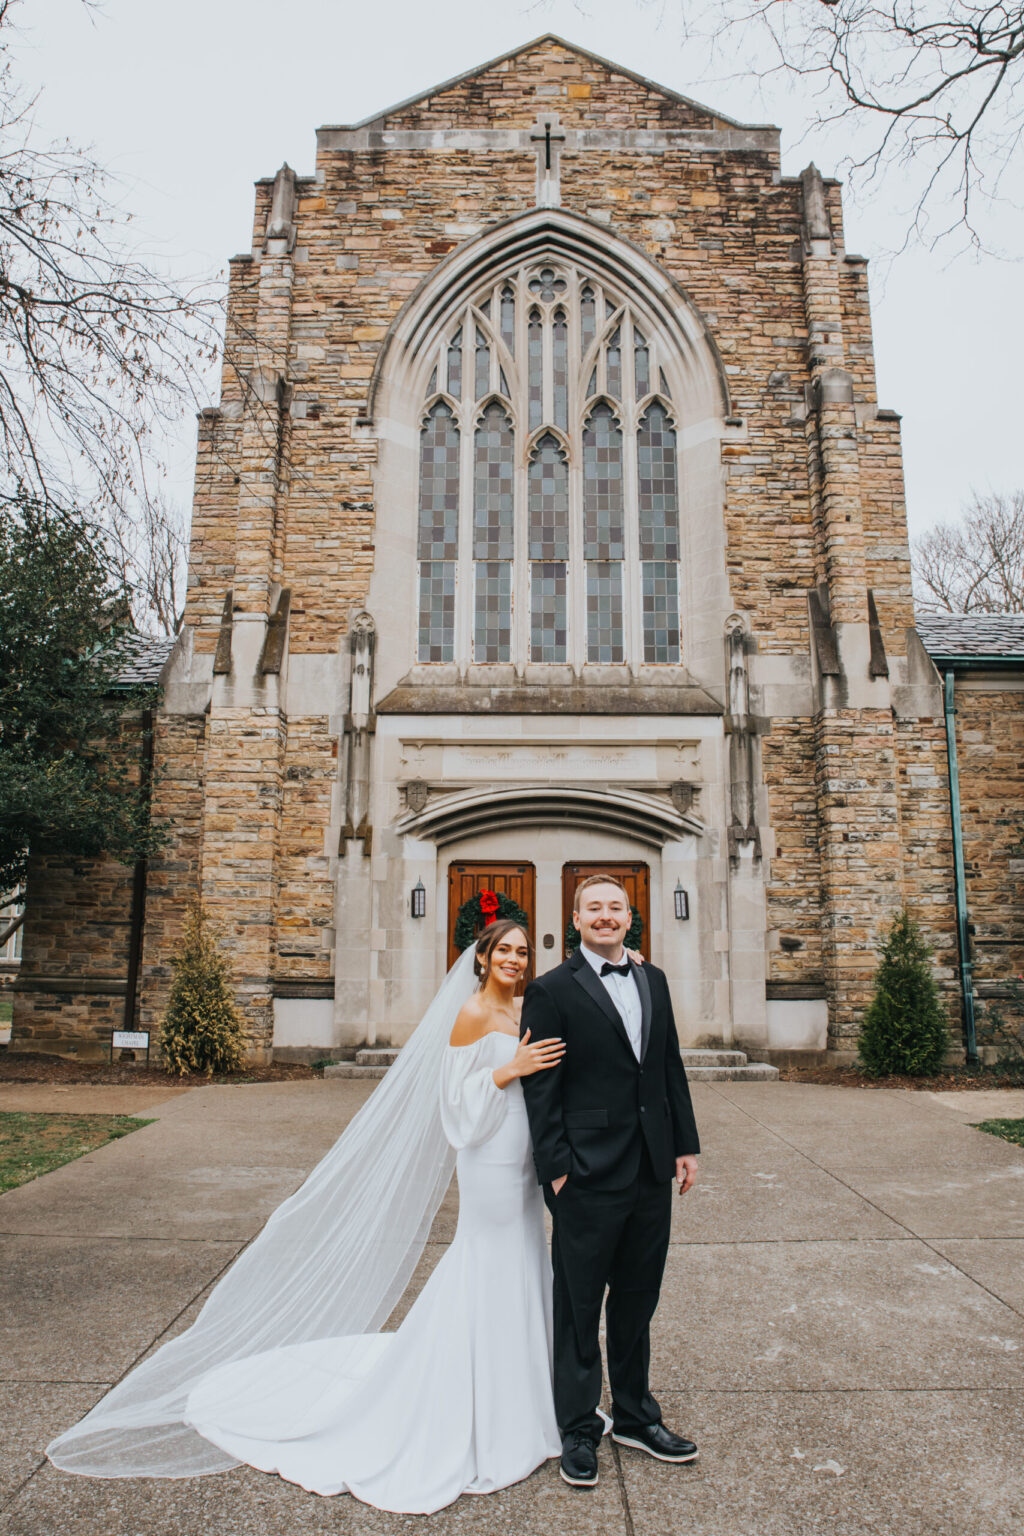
(31, 1144)
(1009, 1130)
(6, 1009)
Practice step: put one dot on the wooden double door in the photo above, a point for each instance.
(519, 883)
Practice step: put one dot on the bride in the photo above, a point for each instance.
(286, 1367)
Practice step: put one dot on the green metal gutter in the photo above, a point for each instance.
(959, 875)
(977, 663)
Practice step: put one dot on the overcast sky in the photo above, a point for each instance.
(190, 101)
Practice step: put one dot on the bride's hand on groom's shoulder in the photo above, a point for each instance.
(635, 956)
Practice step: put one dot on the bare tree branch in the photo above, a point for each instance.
(148, 550)
(941, 79)
(974, 566)
(97, 350)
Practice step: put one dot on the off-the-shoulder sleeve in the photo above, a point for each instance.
(472, 1105)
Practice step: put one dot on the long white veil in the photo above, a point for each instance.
(332, 1261)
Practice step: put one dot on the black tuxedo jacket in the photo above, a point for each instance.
(592, 1114)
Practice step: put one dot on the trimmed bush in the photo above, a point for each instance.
(905, 1030)
(202, 1027)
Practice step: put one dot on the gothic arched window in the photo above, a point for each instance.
(549, 527)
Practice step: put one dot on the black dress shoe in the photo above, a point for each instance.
(658, 1442)
(579, 1460)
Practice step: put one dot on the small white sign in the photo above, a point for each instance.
(130, 1040)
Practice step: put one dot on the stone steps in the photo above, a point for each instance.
(749, 1072)
(712, 1058)
(350, 1069)
(377, 1056)
(725, 1067)
(704, 1066)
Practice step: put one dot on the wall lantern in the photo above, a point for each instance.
(418, 900)
(682, 902)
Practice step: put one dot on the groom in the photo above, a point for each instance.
(612, 1125)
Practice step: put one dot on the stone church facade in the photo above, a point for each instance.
(548, 521)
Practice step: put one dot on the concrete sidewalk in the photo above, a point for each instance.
(841, 1328)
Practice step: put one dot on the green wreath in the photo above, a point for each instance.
(631, 941)
(471, 917)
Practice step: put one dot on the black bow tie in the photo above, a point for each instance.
(620, 970)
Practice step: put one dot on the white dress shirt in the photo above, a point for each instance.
(624, 994)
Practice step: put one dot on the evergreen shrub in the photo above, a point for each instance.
(202, 1027)
(905, 1030)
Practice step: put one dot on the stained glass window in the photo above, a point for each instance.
(493, 535)
(603, 537)
(438, 534)
(660, 580)
(658, 494)
(535, 347)
(437, 610)
(549, 632)
(658, 498)
(588, 319)
(641, 365)
(604, 611)
(439, 486)
(493, 489)
(483, 366)
(508, 319)
(560, 369)
(549, 501)
(455, 364)
(547, 285)
(492, 634)
(613, 365)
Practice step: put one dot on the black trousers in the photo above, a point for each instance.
(614, 1240)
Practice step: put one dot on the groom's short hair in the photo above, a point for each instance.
(597, 880)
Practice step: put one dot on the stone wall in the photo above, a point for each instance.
(72, 985)
(173, 874)
(70, 992)
(990, 751)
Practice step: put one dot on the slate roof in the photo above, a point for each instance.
(973, 636)
(143, 659)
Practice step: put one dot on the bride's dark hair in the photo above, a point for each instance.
(489, 938)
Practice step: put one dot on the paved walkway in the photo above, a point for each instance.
(842, 1323)
(84, 1099)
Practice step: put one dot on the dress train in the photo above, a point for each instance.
(458, 1399)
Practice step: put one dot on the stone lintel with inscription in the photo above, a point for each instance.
(648, 765)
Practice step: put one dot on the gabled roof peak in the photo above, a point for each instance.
(553, 39)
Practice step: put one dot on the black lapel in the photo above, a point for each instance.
(585, 974)
(644, 989)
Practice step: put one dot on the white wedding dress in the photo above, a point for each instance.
(458, 1399)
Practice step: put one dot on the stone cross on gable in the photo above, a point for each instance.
(549, 135)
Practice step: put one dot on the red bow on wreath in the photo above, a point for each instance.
(489, 907)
